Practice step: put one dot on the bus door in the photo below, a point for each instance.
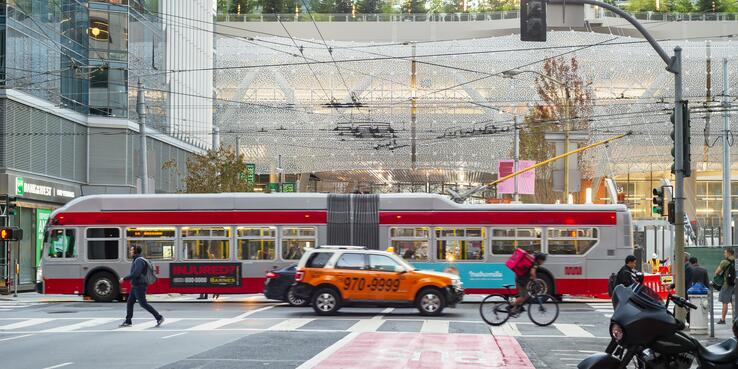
(62, 269)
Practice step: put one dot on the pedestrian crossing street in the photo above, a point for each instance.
(333, 324)
(7, 305)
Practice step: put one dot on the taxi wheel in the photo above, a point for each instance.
(326, 301)
(430, 301)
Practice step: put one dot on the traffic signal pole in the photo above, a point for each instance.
(673, 65)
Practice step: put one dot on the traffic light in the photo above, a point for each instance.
(533, 20)
(11, 234)
(658, 201)
(671, 216)
(686, 137)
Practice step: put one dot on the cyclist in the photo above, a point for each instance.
(522, 282)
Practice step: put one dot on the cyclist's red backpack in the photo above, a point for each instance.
(520, 262)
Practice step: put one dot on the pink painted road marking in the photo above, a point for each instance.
(382, 350)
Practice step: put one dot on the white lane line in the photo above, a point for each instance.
(312, 363)
(173, 335)
(435, 326)
(150, 324)
(25, 323)
(572, 330)
(224, 322)
(290, 324)
(81, 325)
(383, 313)
(367, 325)
(15, 337)
(59, 365)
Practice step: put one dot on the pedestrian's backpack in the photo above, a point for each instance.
(730, 274)
(520, 262)
(149, 275)
(611, 283)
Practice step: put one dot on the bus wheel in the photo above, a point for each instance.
(549, 289)
(103, 287)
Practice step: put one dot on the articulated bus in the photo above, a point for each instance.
(225, 243)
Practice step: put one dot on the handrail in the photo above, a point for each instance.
(461, 17)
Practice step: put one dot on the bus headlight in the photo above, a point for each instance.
(39, 275)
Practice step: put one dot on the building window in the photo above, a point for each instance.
(410, 243)
(460, 244)
(571, 241)
(61, 244)
(257, 243)
(103, 243)
(206, 243)
(295, 240)
(157, 243)
(506, 240)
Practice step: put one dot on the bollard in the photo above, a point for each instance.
(712, 311)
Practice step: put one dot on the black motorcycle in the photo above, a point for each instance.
(646, 335)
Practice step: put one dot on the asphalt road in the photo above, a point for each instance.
(272, 335)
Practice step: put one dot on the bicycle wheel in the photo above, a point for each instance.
(494, 309)
(537, 287)
(543, 310)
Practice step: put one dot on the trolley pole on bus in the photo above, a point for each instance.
(141, 110)
(516, 156)
(674, 66)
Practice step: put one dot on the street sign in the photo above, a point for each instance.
(251, 174)
(289, 187)
(273, 187)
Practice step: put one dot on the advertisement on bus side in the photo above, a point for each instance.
(205, 274)
(475, 275)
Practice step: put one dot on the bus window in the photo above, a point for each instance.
(256, 243)
(206, 243)
(295, 240)
(157, 243)
(102, 243)
(506, 240)
(460, 244)
(61, 244)
(410, 243)
(571, 241)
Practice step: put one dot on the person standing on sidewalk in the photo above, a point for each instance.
(699, 274)
(724, 281)
(139, 267)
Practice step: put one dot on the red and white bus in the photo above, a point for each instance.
(224, 243)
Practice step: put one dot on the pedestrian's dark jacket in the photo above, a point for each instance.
(138, 268)
(626, 276)
(688, 275)
(699, 275)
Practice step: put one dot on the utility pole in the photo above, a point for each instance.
(238, 146)
(141, 110)
(567, 129)
(727, 206)
(516, 157)
(413, 107)
(678, 265)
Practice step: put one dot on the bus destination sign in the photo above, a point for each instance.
(205, 274)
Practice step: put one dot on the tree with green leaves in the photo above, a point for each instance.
(684, 6)
(216, 171)
(707, 6)
(414, 7)
(277, 6)
(642, 5)
(369, 6)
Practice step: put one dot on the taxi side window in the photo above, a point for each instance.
(351, 261)
(318, 260)
(383, 263)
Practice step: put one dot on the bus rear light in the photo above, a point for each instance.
(299, 276)
(271, 275)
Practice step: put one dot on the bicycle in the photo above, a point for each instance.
(495, 309)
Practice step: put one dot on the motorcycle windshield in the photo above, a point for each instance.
(646, 297)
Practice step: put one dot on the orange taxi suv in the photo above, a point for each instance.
(331, 277)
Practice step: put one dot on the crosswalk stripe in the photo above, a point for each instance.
(85, 324)
(507, 329)
(435, 326)
(224, 322)
(369, 325)
(572, 330)
(150, 324)
(290, 324)
(25, 323)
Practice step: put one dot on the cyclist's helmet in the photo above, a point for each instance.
(540, 256)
